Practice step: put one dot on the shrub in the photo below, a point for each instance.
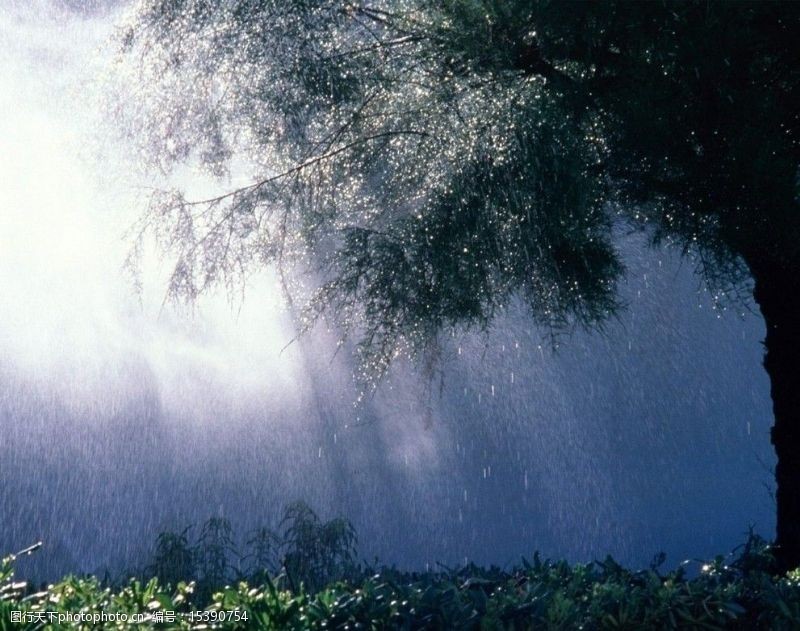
(738, 592)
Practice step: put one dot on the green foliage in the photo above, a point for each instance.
(431, 161)
(741, 593)
(425, 193)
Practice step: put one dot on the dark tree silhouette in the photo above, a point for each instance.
(431, 160)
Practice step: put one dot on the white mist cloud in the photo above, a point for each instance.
(66, 199)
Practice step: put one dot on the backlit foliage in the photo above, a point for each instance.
(735, 593)
(422, 189)
(416, 165)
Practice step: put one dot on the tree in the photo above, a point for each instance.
(431, 161)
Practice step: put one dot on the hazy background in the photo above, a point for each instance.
(119, 418)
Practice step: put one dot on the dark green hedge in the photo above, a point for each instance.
(738, 593)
